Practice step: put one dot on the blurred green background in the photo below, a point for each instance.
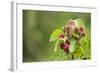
(37, 28)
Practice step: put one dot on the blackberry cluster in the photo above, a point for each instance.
(71, 31)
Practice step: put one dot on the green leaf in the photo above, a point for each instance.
(73, 45)
(84, 47)
(80, 22)
(84, 42)
(54, 36)
(76, 55)
(56, 46)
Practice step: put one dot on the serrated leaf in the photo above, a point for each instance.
(54, 36)
(84, 42)
(84, 47)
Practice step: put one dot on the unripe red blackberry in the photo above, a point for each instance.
(61, 36)
(81, 29)
(61, 45)
(81, 32)
(64, 46)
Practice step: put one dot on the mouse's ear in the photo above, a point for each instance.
(80, 22)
